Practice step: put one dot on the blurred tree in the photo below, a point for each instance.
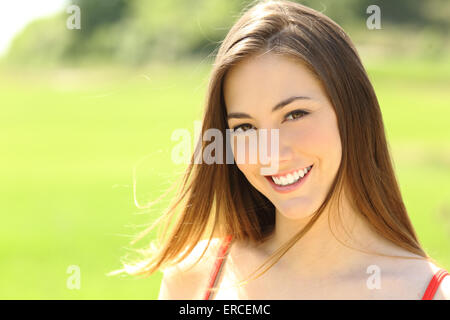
(136, 31)
(410, 12)
(98, 13)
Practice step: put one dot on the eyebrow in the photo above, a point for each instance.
(279, 105)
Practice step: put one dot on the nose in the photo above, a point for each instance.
(274, 150)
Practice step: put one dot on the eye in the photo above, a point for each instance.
(293, 115)
(240, 127)
(296, 114)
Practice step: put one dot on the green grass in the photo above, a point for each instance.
(70, 140)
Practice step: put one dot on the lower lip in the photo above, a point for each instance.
(291, 187)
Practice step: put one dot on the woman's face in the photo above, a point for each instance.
(308, 130)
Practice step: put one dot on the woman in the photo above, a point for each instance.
(330, 222)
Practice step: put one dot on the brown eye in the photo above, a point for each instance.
(242, 126)
(296, 114)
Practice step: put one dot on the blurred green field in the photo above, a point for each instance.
(71, 138)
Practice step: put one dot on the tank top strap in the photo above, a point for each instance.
(221, 256)
(434, 284)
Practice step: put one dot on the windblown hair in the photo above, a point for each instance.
(218, 200)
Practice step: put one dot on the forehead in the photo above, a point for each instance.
(267, 79)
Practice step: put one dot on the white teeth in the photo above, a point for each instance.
(291, 177)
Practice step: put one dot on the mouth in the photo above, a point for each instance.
(289, 181)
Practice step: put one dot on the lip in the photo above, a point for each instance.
(285, 173)
(289, 188)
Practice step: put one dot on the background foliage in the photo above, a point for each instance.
(135, 32)
(86, 118)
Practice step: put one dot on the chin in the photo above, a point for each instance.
(296, 209)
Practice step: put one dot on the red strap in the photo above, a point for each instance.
(434, 284)
(218, 265)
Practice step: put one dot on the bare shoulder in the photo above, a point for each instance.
(427, 271)
(409, 279)
(189, 278)
(443, 291)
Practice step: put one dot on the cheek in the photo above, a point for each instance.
(251, 174)
(321, 140)
(245, 169)
(244, 150)
(243, 154)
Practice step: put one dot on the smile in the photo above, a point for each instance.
(290, 181)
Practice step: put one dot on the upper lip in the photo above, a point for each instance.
(288, 171)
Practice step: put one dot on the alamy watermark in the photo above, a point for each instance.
(374, 20)
(248, 147)
(74, 280)
(374, 280)
(74, 20)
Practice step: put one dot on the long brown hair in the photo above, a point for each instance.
(217, 199)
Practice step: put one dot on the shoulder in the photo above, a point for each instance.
(409, 279)
(189, 278)
(427, 272)
(443, 291)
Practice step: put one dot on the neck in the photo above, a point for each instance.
(318, 254)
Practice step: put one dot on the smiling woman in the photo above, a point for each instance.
(331, 213)
(309, 144)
